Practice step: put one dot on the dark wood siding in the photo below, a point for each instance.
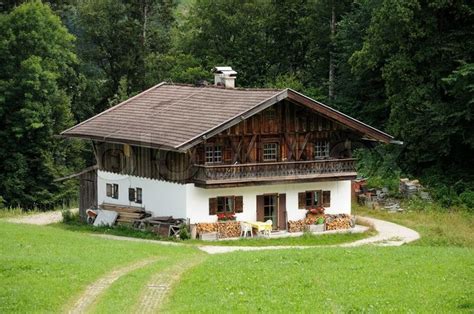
(295, 128)
(87, 192)
(144, 162)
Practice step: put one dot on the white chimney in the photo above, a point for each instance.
(224, 76)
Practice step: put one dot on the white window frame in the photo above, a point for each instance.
(270, 149)
(321, 149)
(213, 154)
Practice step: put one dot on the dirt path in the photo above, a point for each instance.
(160, 285)
(45, 218)
(94, 290)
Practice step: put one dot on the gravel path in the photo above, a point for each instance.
(160, 285)
(389, 234)
(94, 290)
(45, 218)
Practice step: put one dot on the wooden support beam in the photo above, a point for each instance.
(305, 142)
(236, 149)
(291, 145)
(249, 149)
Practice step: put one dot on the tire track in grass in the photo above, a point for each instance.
(94, 290)
(158, 288)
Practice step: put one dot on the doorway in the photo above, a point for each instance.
(272, 207)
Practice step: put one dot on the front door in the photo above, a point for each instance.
(272, 207)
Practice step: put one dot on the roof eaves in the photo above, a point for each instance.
(383, 136)
(234, 120)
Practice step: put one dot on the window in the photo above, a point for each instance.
(270, 151)
(131, 194)
(135, 195)
(313, 199)
(225, 204)
(112, 190)
(321, 149)
(139, 196)
(213, 154)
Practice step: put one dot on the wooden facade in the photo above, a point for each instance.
(292, 129)
(87, 191)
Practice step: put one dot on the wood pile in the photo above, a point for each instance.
(228, 229)
(296, 225)
(126, 214)
(206, 227)
(338, 222)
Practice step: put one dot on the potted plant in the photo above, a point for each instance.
(317, 226)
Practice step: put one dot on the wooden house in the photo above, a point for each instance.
(199, 151)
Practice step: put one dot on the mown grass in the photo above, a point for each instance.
(43, 269)
(366, 279)
(125, 294)
(307, 239)
(435, 227)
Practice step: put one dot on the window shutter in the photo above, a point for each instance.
(260, 209)
(213, 206)
(109, 189)
(302, 200)
(131, 195)
(326, 198)
(239, 204)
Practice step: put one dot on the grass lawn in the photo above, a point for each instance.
(306, 239)
(436, 228)
(365, 279)
(43, 269)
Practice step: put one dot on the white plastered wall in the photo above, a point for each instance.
(160, 197)
(197, 199)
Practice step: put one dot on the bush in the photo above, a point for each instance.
(184, 233)
(69, 217)
(467, 198)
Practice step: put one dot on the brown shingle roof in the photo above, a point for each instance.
(169, 116)
(177, 117)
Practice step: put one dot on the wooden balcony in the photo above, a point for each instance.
(274, 172)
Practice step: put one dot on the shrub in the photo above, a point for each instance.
(184, 233)
(467, 198)
(69, 217)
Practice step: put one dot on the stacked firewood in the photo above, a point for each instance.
(337, 222)
(206, 227)
(228, 229)
(296, 225)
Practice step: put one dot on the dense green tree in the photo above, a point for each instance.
(115, 38)
(36, 70)
(420, 48)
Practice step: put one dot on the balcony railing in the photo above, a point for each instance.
(274, 171)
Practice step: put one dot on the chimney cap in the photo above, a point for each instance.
(226, 70)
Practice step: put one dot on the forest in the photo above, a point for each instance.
(404, 66)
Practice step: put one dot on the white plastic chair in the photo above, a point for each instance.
(268, 231)
(244, 229)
